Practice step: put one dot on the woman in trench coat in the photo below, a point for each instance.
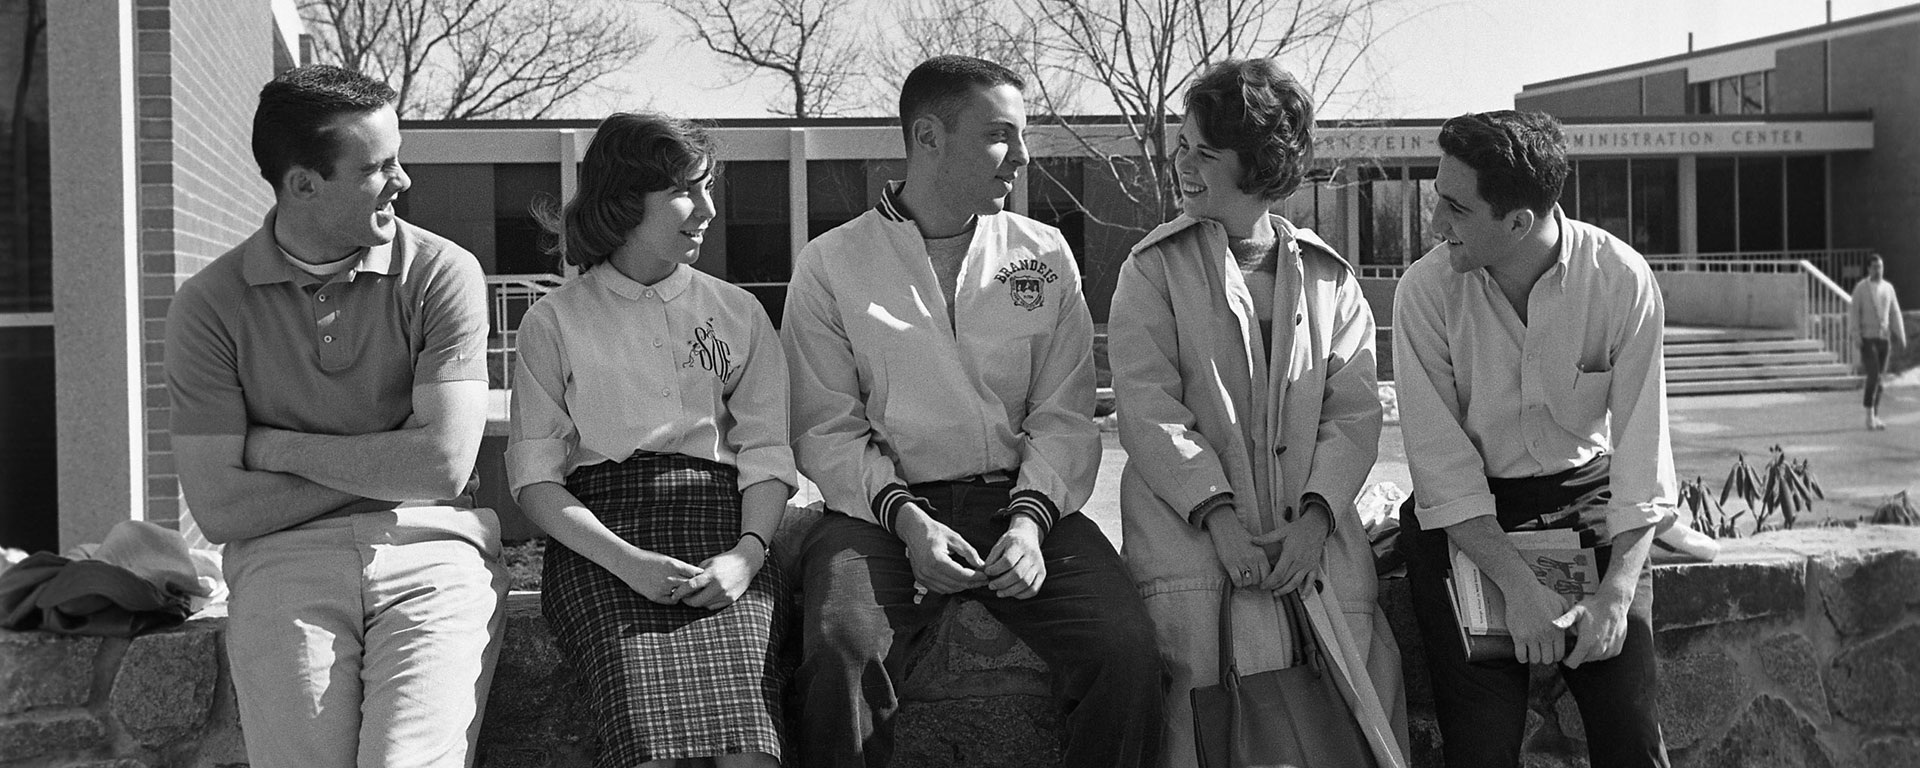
(1243, 362)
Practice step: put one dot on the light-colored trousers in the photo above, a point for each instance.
(368, 639)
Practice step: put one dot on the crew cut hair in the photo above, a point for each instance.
(1520, 157)
(940, 86)
(296, 123)
(1263, 114)
(632, 154)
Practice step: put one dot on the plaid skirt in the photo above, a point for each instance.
(668, 681)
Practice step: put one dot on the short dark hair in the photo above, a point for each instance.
(294, 124)
(631, 155)
(1256, 109)
(940, 86)
(1520, 157)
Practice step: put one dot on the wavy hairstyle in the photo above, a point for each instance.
(632, 154)
(1519, 157)
(1256, 109)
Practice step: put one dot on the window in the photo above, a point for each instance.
(1748, 94)
(1389, 227)
(1762, 205)
(517, 237)
(1055, 187)
(754, 214)
(1807, 202)
(836, 193)
(498, 228)
(1636, 200)
(1714, 188)
(1762, 183)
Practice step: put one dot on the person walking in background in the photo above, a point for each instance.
(942, 367)
(649, 441)
(329, 386)
(1527, 359)
(1879, 325)
(1243, 362)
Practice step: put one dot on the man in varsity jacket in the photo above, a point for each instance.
(940, 352)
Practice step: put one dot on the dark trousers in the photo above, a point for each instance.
(1482, 706)
(1088, 623)
(1873, 358)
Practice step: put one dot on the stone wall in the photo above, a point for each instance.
(1795, 649)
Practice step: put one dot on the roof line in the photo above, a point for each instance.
(1871, 18)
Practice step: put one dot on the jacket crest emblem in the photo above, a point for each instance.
(1026, 280)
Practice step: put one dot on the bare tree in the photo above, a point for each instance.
(475, 59)
(806, 42)
(1139, 56)
(928, 28)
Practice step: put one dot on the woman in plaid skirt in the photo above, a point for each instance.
(649, 441)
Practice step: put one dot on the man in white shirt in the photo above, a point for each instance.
(942, 368)
(1527, 361)
(1877, 322)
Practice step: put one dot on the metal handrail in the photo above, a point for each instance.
(1828, 309)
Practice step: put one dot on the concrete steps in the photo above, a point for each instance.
(1702, 361)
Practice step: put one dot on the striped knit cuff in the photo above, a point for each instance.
(1033, 504)
(887, 504)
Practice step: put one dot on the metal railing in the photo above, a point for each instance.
(1824, 315)
(1828, 309)
(508, 297)
(1844, 264)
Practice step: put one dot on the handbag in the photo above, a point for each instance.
(1283, 718)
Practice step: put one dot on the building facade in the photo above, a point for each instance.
(1760, 200)
(128, 169)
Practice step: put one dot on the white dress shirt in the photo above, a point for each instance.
(1484, 395)
(688, 365)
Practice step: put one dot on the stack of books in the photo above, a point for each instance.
(1566, 560)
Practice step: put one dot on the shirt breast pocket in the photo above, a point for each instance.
(1583, 409)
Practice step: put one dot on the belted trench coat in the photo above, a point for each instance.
(1204, 409)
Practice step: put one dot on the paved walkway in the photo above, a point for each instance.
(1859, 469)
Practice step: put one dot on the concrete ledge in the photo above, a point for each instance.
(1799, 649)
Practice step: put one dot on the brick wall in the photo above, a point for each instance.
(1619, 97)
(201, 65)
(1876, 193)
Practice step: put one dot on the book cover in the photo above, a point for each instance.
(1564, 560)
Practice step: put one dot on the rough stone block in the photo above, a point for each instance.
(971, 654)
(164, 688)
(1865, 592)
(1790, 661)
(1891, 751)
(1698, 692)
(38, 669)
(35, 735)
(1744, 585)
(536, 699)
(1769, 733)
(125, 762)
(1873, 683)
(1003, 732)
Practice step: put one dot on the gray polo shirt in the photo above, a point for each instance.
(253, 340)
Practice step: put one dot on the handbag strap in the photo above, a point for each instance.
(1308, 651)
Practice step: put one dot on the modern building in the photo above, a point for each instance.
(1779, 188)
(127, 170)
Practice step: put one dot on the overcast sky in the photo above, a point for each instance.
(1442, 59)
